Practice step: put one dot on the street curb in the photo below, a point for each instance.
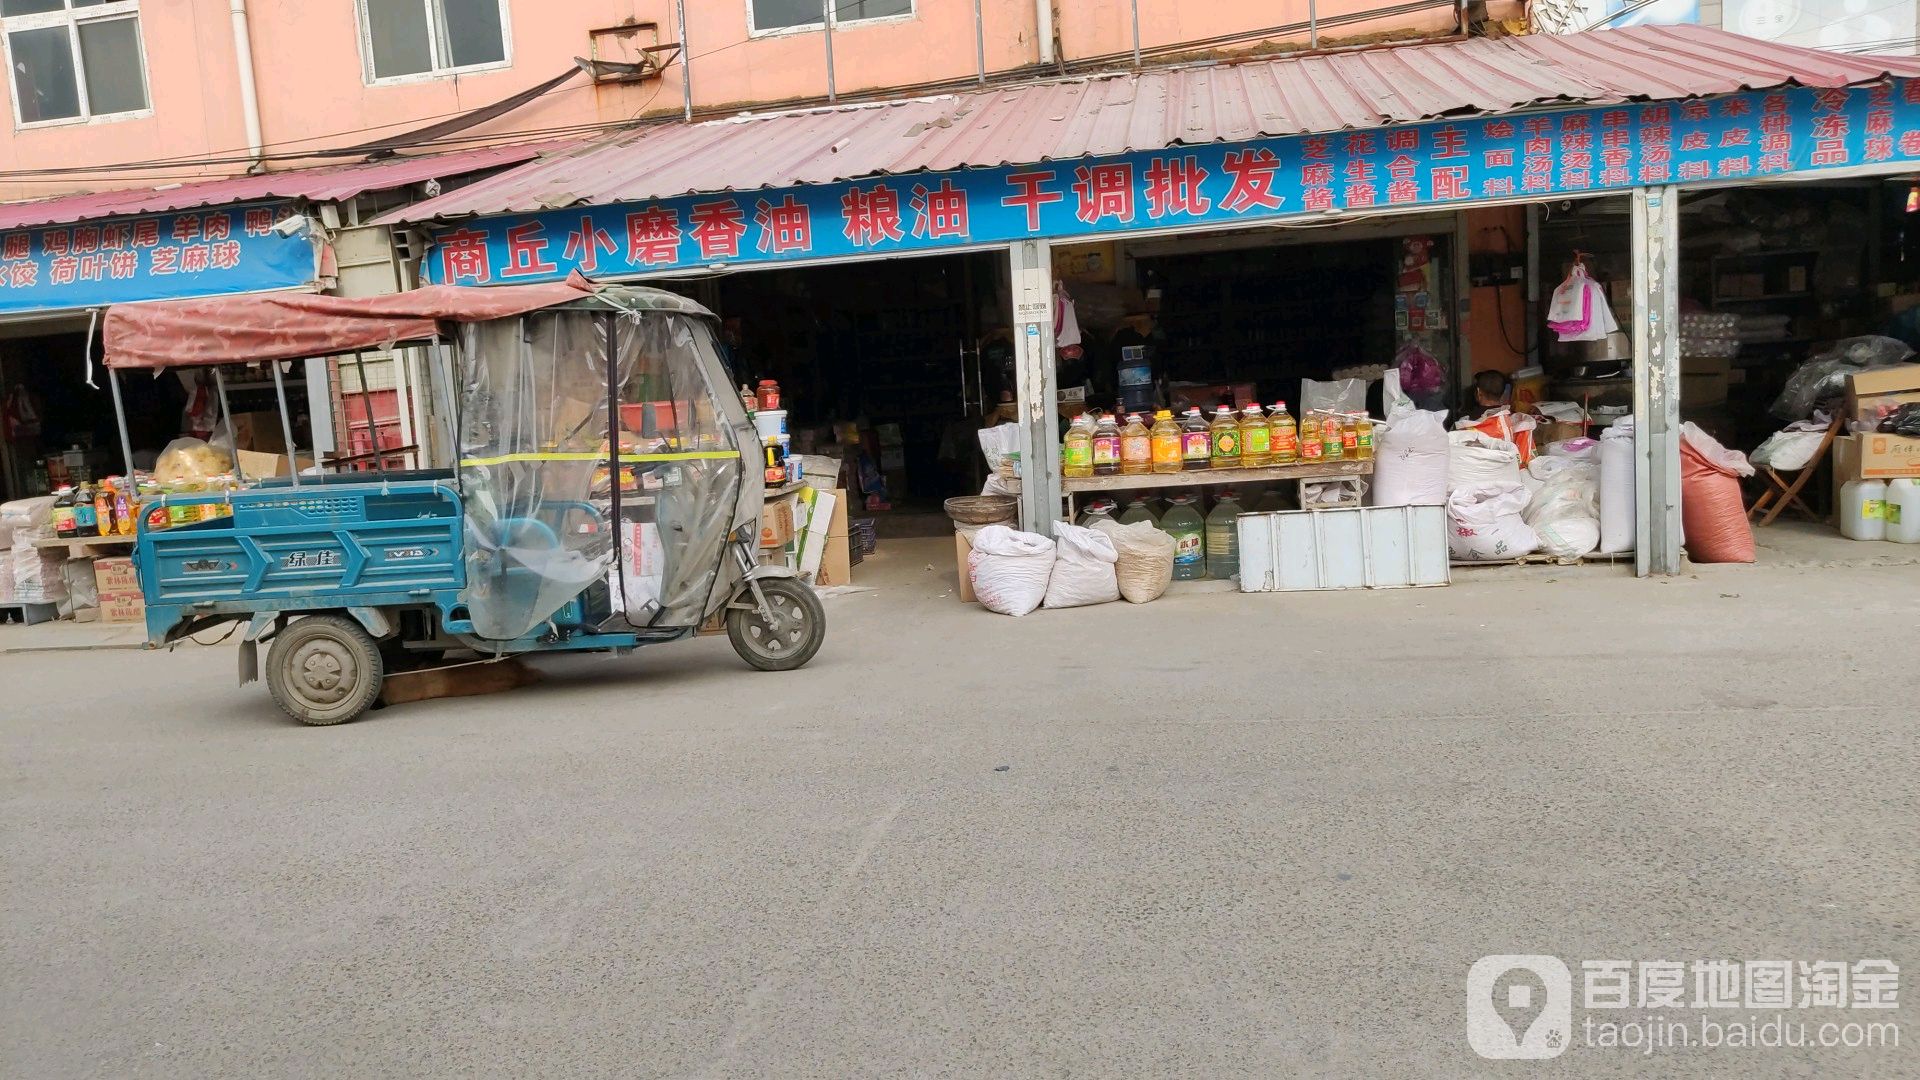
(113, 646)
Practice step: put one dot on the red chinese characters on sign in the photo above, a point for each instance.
(1910, 143)
(870, 216)
(1498, 159)
(195, 258)
(1736, 136)
(1830, 139)
(56, 242)
(527, 251)
(1401, 185)
(164, 260)
(226, 254)
(1733, 166)
(146, 233)
(1453, 182)
(717, 228)
(1315, 148)
(1498, 187)
(1031, 193)
(1103, 191)
(1361, 144)
(1694, 170)
(1693, 140)
(216, 227)
(463, 257)
(64, 270)
(1449, 142)
(785, 227)
(259, 222)
(86, 239)
(1250, 177)
(940, 212)
(653, 236)
(1499, 129)
(186, 228)
(1173, 187)
(122, 265)
(116, 236)
(586, 243)
(25, 275)
(1403, 140)
(17, 246)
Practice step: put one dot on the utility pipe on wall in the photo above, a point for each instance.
(686, 61)
(249, 94)
(1043, 28)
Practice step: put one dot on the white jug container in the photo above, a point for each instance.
(1903, 511)
(1863, 509)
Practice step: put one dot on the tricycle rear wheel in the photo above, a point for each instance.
(324, 669)
(798, 628)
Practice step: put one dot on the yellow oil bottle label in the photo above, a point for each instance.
(1077, 453)
(1259, 441)
(1166, 448)
(1227, 445)
(1873, 509)
(1106, 450)
(1891, 511)
(1196, 445)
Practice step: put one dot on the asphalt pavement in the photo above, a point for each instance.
(1212, 836)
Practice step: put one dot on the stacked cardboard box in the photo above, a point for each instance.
(836, 557)
(120, 597)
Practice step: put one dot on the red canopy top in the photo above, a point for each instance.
(298, 326)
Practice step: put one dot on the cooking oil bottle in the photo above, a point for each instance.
(1223, 537)
(1313, 444)
(1282, 437)
(1350, 436)
(1106, 446)
(1166, 442)
(1226, 439)
(1196, 442)
(1100, 509)
(1330, 445)
(1136, 447)
(1256, 438)
(1183, 523)
(1076, 452)
(1363, 444)
(1138, 510)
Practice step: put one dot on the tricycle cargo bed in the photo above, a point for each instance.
(285, 548)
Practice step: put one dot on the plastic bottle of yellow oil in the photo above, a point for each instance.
(1282, 436)
(1076, 452)
(1166, 442)
(1226, 439)
(1364, 442)
(1196, 442)
(1313, 444)
(1256, 438)
(1330, 445)
(1136, 447)
(1350, 436)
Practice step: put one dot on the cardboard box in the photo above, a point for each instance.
(1871, 395)
(836, 564)
(1706, 365)
(1703, 388)
(122, 608)
(259, 466)
(776, 522)
(116, 575)
(261, 431)
(962, 548)
(1888, 457)
(837, 526)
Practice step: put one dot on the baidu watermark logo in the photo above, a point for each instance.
(1521, 1006)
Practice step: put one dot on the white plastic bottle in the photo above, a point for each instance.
(1903, 511)
(1863, 509)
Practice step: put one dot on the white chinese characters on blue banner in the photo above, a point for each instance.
(192, 253)
(1421, 165)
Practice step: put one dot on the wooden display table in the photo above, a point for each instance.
(86, 547)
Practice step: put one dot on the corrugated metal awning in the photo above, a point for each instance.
(327, 184)
(1116, 114)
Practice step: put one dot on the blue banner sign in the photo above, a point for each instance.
(232, 249)
(1430, 165)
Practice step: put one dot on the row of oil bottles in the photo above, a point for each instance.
(1203, 547)
(1249, 439)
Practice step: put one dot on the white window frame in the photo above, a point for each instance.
(912, 13)
(73, 18)
(433, 48)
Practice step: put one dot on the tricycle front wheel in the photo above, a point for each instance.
(324, 669)
(790, 638)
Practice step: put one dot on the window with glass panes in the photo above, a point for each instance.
(430, 37)
(788, 14)
(73, 59)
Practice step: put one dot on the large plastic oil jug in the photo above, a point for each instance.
(1223, 538)
(1903, 511)
(1182, 522)
(1863, 513)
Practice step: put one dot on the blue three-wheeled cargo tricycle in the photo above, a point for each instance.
(603, 491)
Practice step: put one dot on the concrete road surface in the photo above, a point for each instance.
(1214, 836)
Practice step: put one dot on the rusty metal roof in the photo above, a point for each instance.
(326, 184)
(1113, 114)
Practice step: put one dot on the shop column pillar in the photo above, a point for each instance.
(1036, 392)
(1656, 379)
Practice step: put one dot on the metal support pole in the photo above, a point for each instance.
(1533, 284)
(1038, 395)
(686, 61)
(226, 416)
(1656, 380)
(979, 43)
(373, 425)
(286, 421)
(120, 415)
(1135, 6)
(1460, 268)
(826, 23)
(1313, 25)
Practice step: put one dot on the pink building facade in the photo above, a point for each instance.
(107, 94)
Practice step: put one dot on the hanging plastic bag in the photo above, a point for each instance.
(1422, 377)
(1337, 395)
(1083, 568)
(1713, 515)
(1571, 308)
(1010, 569)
